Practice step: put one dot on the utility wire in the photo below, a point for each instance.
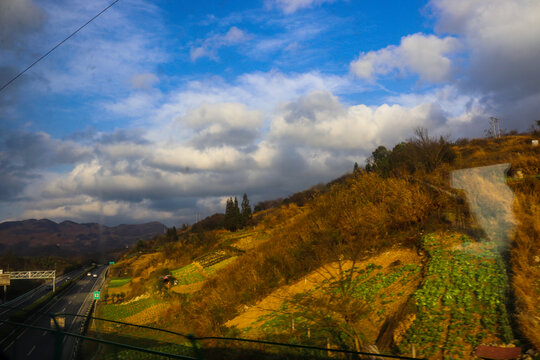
(57, 45)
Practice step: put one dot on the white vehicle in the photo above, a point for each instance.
(89, 274)
(95, 275)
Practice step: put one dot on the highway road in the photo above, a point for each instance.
(38, 292)
(39, 344)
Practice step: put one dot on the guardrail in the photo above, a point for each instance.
(87, 314)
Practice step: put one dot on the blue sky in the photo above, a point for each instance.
(159, 110)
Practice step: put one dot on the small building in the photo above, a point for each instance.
(169, 280)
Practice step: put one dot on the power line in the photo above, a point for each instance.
(57, 45)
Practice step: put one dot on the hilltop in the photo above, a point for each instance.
(389, 255)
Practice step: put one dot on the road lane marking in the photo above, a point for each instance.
(10, 344)
(32, 349)
(44, 333)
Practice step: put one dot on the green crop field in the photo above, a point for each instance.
(462, 301)
(122, 311)
(117, 282)
(188, 274)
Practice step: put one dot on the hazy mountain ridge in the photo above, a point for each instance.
(36, 237)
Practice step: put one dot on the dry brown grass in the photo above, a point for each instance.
(251, 315)
(357, 218)
(525, 258)
(516, 150)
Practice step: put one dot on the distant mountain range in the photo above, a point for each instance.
(45, 237)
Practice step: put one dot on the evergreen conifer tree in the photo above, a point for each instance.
(172, 234)
(246, 210)
(228, 221)
(232, 219)
(237, 215)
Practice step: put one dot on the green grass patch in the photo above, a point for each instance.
(114, 283)
(188, 274)
(176, 349)
(122, 311)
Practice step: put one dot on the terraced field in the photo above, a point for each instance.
(189, 274)
(246, 239)
(118, 282)
(368, 286)
(122, 311)
(462, 302)
(211, 270)
(313, 309)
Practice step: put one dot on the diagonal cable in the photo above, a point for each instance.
(56, 46)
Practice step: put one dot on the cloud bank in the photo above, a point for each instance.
(163, 147)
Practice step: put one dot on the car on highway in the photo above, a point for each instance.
(89, 274)
(95, 275)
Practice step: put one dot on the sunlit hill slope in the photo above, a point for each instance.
(389, 257)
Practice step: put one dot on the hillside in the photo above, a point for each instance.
(390, 256)
(46, 237)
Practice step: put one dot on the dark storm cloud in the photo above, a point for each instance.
(12, 179)
(10, 94)
(38, 150)
(23, 154)
(18, 18)
(173, 203)
(86, 135)
(503, 51)
(133, 136)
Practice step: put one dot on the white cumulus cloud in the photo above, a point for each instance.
(425, 55)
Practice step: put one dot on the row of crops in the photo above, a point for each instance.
(462, 302)
(191, 274)
(188, 274)
(369, 286)
(118, 312)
